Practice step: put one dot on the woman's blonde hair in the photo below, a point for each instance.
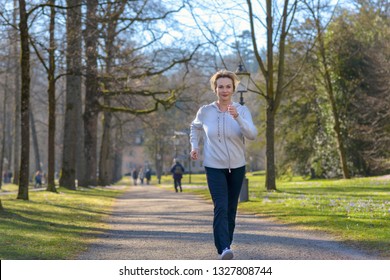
(224, 74)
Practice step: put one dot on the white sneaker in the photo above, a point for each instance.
(227, 254)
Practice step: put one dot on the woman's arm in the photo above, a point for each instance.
(244, 119)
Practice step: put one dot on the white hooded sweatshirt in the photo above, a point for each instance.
(224, 145)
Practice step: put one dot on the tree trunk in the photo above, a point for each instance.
(17, 125)
(25, 103)
(273, 73)
(117, 162)
(91, 96)
(159, 158)
(52, 105)
(9, 144)
(330, 92)
(270, 179)
(106, 161)
(6, 122)
(8, 152)
(90, 145)
(73, 96)
(270, 182)
(35, 143)
(337, 129)
(4, 125)
(80, 159)
(1, 158)
(68, 172)
(3, 136)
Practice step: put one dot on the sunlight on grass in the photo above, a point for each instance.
(356, 210)
(53, 225)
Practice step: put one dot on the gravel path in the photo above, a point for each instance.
(153, 223)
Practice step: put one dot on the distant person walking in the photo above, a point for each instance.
(224, 125)
(38, 179)
(134, 175)
(141, 175)
(7, 176)
(177, 171)
(148, 176)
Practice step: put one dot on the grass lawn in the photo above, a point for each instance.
(52, 225)
(356, 211)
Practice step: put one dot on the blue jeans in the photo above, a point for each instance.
(225, 189)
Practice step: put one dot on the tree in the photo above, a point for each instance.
(25, 102)
(50, 68)
(30, 41)
(11, 85)
(17, 125)
(51, 91)
(6, 60)
(25, 96)
(328, 84)
(106, 162)
(35, 142)
(4, 131)
(159, 130)
(91, 109)
(354, 45)
(73, 148)
(360, 59)
(273, 71)
(136, 89)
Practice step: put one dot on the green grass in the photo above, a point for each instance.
(53, 225)
(356, 211)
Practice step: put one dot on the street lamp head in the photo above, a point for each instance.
(244, 76)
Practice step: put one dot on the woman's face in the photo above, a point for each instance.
(224, 89)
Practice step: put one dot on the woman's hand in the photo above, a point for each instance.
(233, 111)
(194, 154)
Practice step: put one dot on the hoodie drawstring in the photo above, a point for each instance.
(223, 135)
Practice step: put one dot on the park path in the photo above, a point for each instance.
(155, 223)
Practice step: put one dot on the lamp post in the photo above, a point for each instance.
(243, 76)
(242, 87)
(158, 167)
(175, 144)
(186, 133)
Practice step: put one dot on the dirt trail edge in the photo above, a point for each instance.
(153, 223)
